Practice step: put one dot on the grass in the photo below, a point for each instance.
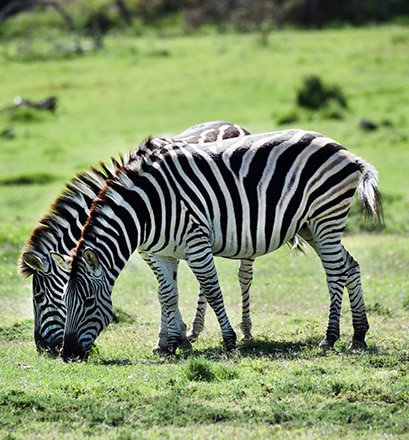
(278, 385)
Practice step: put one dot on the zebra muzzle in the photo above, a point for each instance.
(47, 346)
(72, 351)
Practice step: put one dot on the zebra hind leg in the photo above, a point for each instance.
(333, 261)
(334, 265)
(245, 275)
(356, 298)
(160, 347)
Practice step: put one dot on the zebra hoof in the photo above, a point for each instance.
(230, 344)
(246, 332)
(185, 344)
(161, 351)
(358, 346)
(326, 345)
(192, 336)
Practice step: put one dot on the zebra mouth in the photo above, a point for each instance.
(73, 351)
(52, 351)
(67, 358)
(51, 348)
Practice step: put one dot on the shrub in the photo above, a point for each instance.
(315, 95)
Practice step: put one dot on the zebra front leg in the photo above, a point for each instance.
(245, 274)
(160, 347)
(199, 318)
(201, 262)
(356, 298)
(172, 333)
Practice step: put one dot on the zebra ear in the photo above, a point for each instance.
(92, 261)
(62, 260)
(36, 261)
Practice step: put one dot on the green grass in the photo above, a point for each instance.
(110, 101)
(280, 384)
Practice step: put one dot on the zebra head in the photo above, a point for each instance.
(89, 306)
(49, 280)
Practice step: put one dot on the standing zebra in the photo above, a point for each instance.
(60, 230)
(238, 198)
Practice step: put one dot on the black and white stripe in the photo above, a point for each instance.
(60, 230)
(238, 198)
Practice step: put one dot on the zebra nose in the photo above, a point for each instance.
(71, 350)
(45, 345)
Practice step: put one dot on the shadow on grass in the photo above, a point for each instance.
(262, 347)
(29, 179)
(255, 348)
(304, 348)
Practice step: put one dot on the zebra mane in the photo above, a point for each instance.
(119, 176)
(85, 185)
(134, 159)
(88, 184)
(50, 228)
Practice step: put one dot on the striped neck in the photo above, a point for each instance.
(117, 223)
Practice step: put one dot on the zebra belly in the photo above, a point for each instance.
(246, 247)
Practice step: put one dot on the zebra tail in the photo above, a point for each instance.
(297, 244)
(369, 194)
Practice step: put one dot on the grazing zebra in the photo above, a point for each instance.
(60, 230)
(238, 198)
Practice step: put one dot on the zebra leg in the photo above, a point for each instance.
(245, 274)
(356, 298)
(332, 258)
(172, 333)
(160, 346)
(198, 320)
(201, 262)
(336, 280)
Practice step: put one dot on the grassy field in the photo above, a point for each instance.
(280, 384)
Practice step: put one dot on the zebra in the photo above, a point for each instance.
(58, 233)
(237, 198)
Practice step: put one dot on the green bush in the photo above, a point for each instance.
(315, 95)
